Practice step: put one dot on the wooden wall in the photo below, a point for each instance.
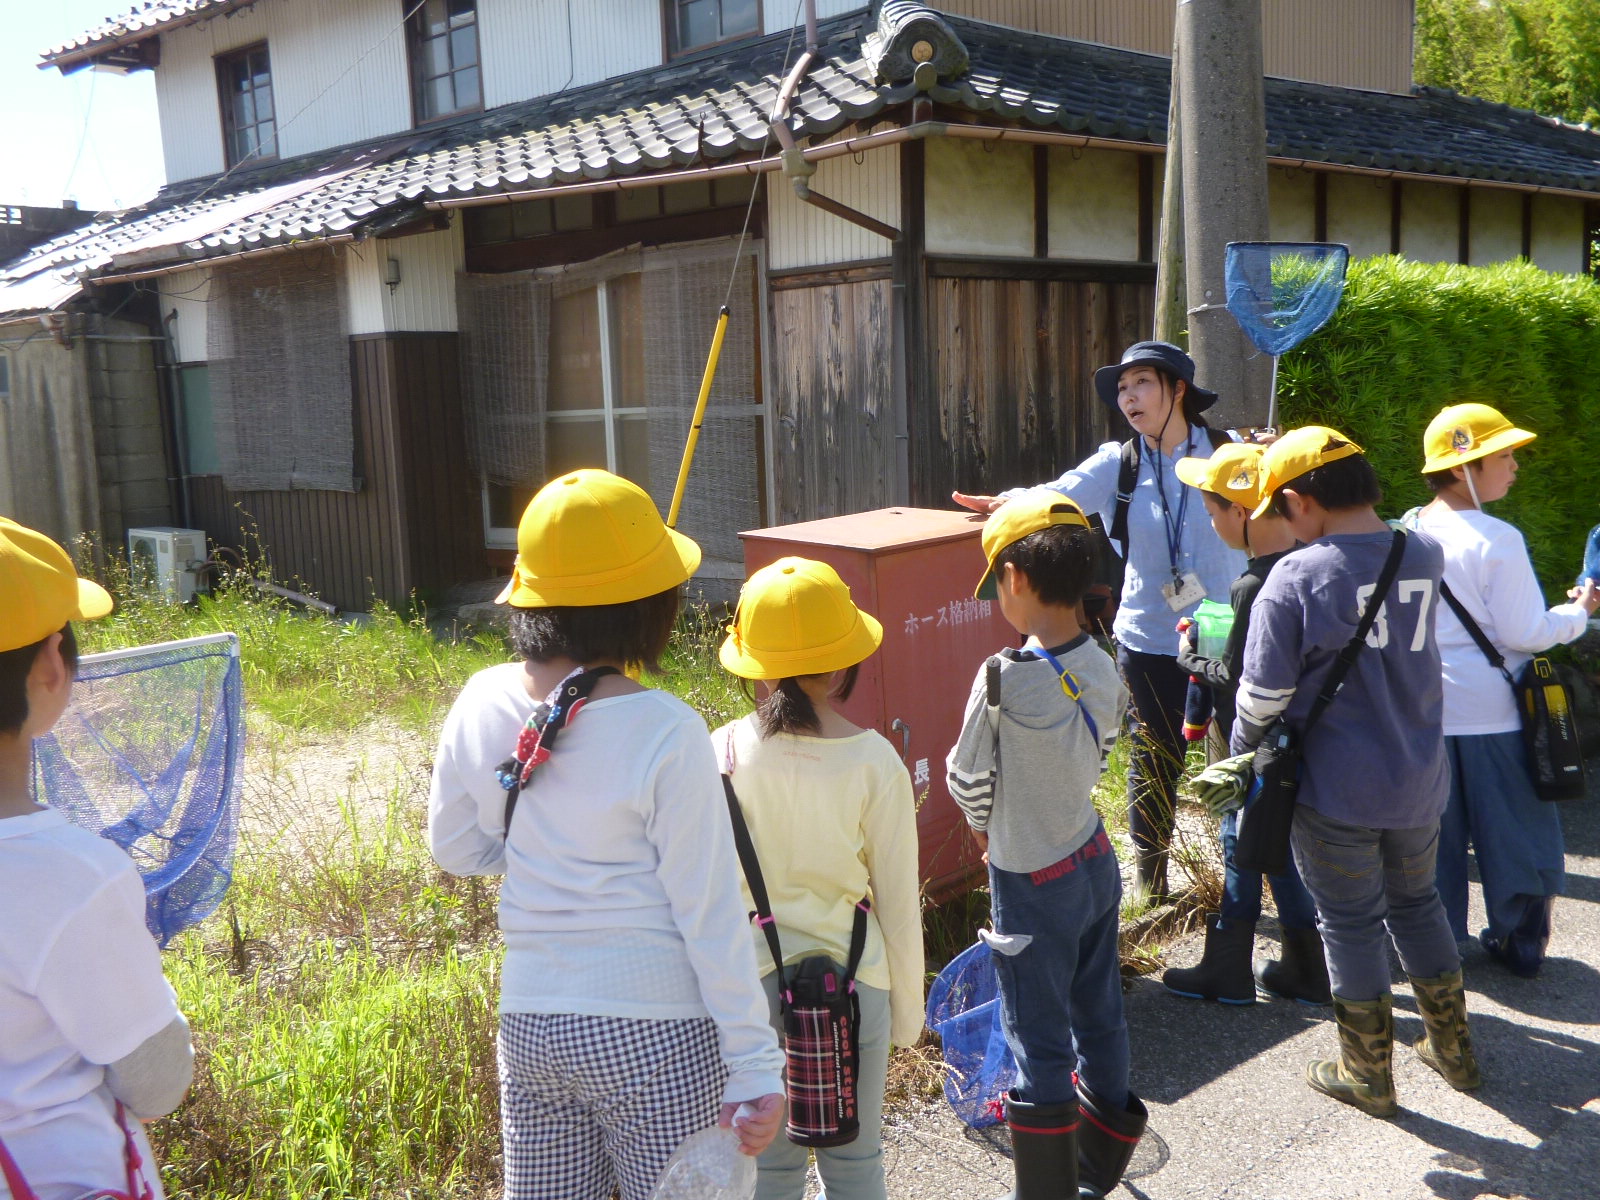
(832, 400)
(1014, 348)
(415, 523)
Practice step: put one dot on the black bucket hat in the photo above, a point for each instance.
(1156, 354)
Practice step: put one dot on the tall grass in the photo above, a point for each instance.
(302, 670)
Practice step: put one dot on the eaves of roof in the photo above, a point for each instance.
(709, 112)
(145, 21)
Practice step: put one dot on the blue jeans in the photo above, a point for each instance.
(1060, 979)
(1241, 890)
(853, 1171)
(1515, 835)
(1365, 881)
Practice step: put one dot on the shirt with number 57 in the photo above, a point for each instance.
(1376, 757)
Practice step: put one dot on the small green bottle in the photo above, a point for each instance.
(1214, 622)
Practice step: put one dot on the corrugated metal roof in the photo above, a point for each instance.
(713, 107)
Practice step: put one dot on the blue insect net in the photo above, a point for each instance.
(964, 1010)
(149, 755)
(1283, 292)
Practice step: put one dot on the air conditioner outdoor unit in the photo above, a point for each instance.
(168, 559)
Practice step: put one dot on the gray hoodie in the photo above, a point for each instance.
(1024, 771)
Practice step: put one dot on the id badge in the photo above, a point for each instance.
(1184, 591)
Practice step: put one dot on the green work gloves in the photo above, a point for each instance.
(1223, 786)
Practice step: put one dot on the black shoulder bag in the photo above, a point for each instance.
(539, 734)
(821, 1015)
(1268, 816)
(1549, 726)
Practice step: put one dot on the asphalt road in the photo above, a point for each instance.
(1231, 1116)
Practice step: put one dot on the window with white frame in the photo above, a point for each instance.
(599, 364)
(597, 413)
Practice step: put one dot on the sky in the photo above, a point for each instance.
(91, 136)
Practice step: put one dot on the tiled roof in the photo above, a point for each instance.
(146, 20)
(713, 106)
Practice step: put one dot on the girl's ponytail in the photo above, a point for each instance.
(787, 709)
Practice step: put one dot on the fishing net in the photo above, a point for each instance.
(149, 755)
(964, 1010)
(1283, 292)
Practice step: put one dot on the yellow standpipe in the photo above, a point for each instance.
(699, 416)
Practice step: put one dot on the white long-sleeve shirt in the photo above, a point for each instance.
(832, 819)
(1487, 567)
(621, 891)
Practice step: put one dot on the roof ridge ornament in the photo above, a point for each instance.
(913, 42)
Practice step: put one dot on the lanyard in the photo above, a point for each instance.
(1173, 529)
(1069, 686)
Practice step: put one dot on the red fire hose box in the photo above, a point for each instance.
(914, 569)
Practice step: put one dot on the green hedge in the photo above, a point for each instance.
(1410, 338)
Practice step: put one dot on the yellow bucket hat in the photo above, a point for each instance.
(39, 588)
(795, 617)
(591, 538)
(1015, 520)
(1464, 432)
(1297, 452)
(1232, 472)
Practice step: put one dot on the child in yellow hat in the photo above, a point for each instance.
(1470, 461)
(1373, 778)
(1039, 723)
(631, 1015)
(831, 819)
(91, 1039)
(1229, 483)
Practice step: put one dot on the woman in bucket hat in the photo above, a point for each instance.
(1174, 560)
(831, 817)
(1470, 452)
(631, 1015)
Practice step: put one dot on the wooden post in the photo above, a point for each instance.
(1221, 109)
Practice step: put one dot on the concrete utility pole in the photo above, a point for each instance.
(1222, 132)
(1172, 297)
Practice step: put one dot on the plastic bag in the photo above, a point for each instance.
(708, 1166)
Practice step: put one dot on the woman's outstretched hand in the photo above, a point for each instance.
(757, 1124)
(983, 504)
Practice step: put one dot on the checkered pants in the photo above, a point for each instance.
(588, 1103)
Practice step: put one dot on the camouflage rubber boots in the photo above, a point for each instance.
(1361, 1075)
(1447, 1046)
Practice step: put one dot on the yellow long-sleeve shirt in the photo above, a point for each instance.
(832, 819)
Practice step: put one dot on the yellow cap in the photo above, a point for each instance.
(795, 617)
(39, 588)
(1232, 472)
(1015, 520)
(1464, 432)
(1295, 453)
(591, 538)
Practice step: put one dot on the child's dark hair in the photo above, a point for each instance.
(15, 666)
(636, 632)
(787, 708)
(1439, 480)
(1347, 483)
(1058, 560)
